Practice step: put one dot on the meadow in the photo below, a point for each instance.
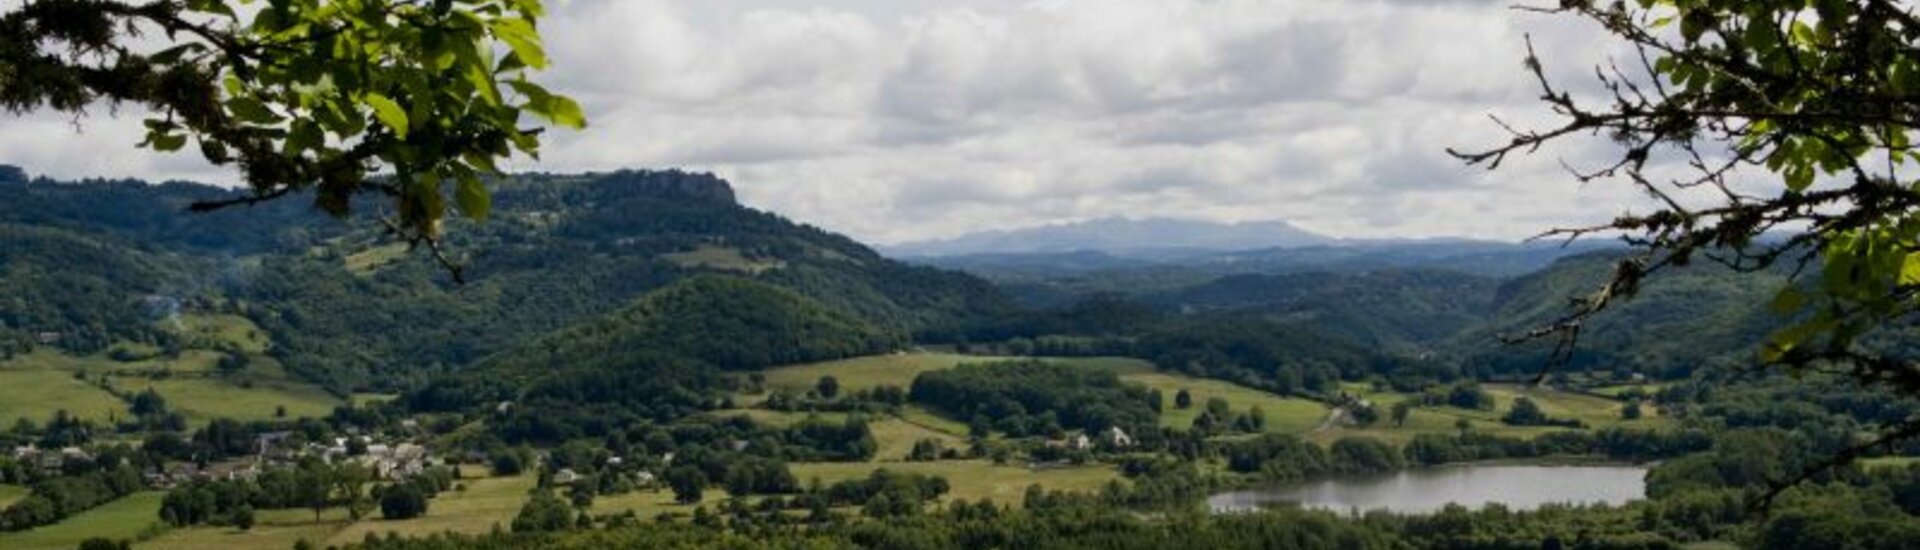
(972, 479)
(35, 385)
(862, 373)
(126, 518)
(1591, 410)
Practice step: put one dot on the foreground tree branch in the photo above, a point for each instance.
(1819, 101)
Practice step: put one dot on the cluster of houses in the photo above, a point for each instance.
(1113, 437)
(276, 449)
(49, 460)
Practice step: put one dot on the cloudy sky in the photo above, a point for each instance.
(897, 120)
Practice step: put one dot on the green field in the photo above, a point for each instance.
(369, 261)
(34, 386)
(10, 494)
(126, 518)
(721, 258)
(971, 479)
(895, 435)
(647, 503)
(210, 330)
(475, 510)
(1595, 412)
(205, 398)
(37, 384)
(896, 438)
(1888, 462)
(862, 373)
(1284, 415)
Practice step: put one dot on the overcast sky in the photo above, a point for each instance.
(896, 120)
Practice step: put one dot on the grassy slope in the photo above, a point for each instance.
(1284, 415)
(121, 519)
(35, 385)
(973, 479)
(10, 494)
(1595, 412)
(475, 510)
(203, 399)
(862, 373)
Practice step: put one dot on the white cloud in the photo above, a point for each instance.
(896, 120)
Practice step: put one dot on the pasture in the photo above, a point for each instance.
(126, 518)
(972, 479)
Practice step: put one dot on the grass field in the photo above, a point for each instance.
(896, 438)
(1284, 415)
(1595, 412)
(369, 261)
(213, 329)
(778, 419)
(31, 390)
(971, 479)
(10, 494)
(722, 258)
(121, 519)
(476, 510)
(1287, 415)
(203, 399)
(862, 373)
(649, 503)
(1874, 463)
(895, 435)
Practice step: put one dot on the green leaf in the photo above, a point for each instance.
(565, 112)
(166, 142)
(389, 113)
(519, 34)
(559, 109)
(1910, 269)
(472, 197)
(248, 109)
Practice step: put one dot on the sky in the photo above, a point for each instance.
(900, 120)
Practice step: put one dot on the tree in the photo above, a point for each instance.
(1525, 413)
(313, 484)
(828, 387)
(688, 484)
(1218, 407)
(1183, 400)
(304, 94)
(1401, 411)
(402, 501)
(543, 512)
(1631, 411)
(1820, 99)
(148, 403)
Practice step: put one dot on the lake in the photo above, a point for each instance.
(1520, 487)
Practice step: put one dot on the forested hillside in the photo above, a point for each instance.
(347, 307)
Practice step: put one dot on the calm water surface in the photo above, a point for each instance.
(1519, 487)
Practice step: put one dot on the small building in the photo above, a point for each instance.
(566, 476)
(1118, 438)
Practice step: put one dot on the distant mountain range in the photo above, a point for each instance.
(1127, 255)
(1149, 238)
